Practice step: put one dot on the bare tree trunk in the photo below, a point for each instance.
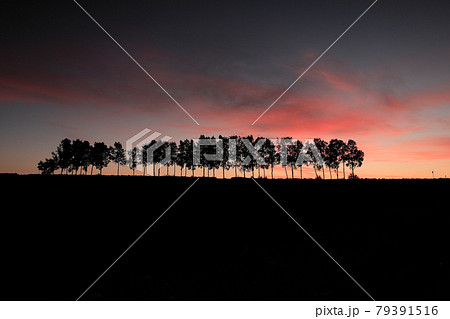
(292, 171)
(329, 169)
(118, 169)
(343, 168)
(285, 171)
(223, 171)
(272, 170)
(264, 172)
(301, 171)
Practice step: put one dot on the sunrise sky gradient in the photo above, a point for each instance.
(385, 84)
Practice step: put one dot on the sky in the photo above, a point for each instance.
(385, 83)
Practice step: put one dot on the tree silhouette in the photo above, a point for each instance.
(335, 154)
(225, 163)
(264, 154)
(214, 164)
(253, 160)
(144, 158)
(322, 148)
(48, 166)
(248, 162)
(158, 154)
(234, 152)
(164, 155)
(100, 156)
(173, 156)
(118, 155)
(261, 153)
(355, 157)
(203, 150)
(64, 155)
(181, 156)
(293, 152)
(270, 155)
(240, 153)
(133, 159)
(77, 155)
(189, 152)
(152, 158)
(343, 156)
(243, 153)
(282, 149)
(86, 155)
(328, 158)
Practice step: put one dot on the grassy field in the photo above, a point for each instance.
(224, 239)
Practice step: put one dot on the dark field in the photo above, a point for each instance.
(224, 239)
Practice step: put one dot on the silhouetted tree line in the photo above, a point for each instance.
(80, 157)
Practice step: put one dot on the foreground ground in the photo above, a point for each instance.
(224, 239)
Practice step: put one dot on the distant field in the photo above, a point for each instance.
(224, 239)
